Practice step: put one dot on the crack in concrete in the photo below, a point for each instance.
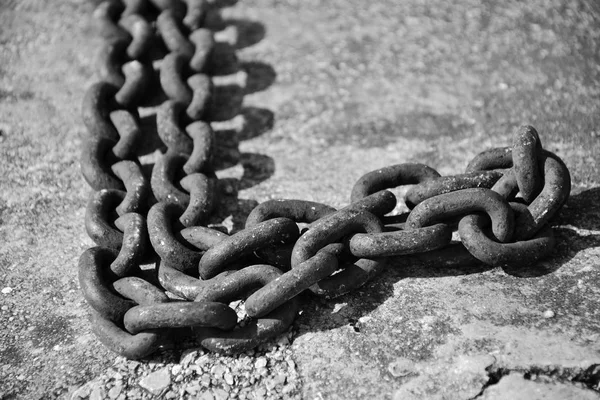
(589, 377)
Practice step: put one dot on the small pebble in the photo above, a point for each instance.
(157, 382)
(291, 364)
(283, 341)
(205, 380)
(193, 389)
(97, 393)
(188, 356)
(217, 371)
(288, 389)
(401, 367)
(280, 379)
(206, 396)
(549, 314)
(114, 392)
(7, 290)
(82, 393)
(260, 363)
(220, 394)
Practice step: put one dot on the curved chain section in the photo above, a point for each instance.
(501, 206)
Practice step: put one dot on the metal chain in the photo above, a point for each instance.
(199, 271)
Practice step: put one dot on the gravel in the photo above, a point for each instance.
(269, 372)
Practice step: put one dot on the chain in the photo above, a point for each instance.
(501, 206)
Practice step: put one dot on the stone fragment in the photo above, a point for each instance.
(205, 380)
(188, 356)
(260, 363)
(176, 369)
(115, 391)
(217, 371)
(157, 382)
(460, 377)
(206, 396)
(98, 392)
(220, 394)
(82, 393)
(288, 389)
(193, 389)
(515, 387)
(401, 367)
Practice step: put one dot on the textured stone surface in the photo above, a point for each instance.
(329, 90)
(514, 387)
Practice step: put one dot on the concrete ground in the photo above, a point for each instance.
(326, 91)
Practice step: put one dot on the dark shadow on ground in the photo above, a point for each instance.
(226, 107)
(582, 212)
(580, 215)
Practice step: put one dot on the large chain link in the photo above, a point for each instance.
(199, 271)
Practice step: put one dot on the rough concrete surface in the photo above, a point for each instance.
(331, 90)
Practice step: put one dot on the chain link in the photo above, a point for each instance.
(501, 206)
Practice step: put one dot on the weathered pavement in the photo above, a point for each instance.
(334, 89)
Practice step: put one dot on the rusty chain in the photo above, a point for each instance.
(501, 206)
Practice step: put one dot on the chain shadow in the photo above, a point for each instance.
(232, 121)
(580, 214)
(577, 225)
(256, 168)
(581, 210)
(322, 315)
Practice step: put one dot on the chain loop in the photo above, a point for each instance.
(447, 184)
(299, 211)
(255, 331)
(168, 118)
(122, 342)
(387, 244)
(296, 210)
(183, 285)
(179, 315)
(94, 284)
(475, 238)
(329, 229)
(163, 222)
(136, 186)
(292, 283)
(498, 158)
(526, 147)
(97, 224)
(392, 176)
(463, 202)
(264, 234)
(554, 194)
(139, 290)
